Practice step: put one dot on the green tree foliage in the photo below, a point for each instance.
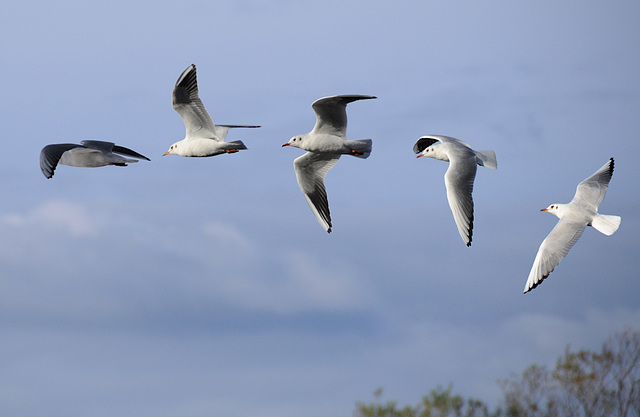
(439, 402)
(528, 395)
(582, 384)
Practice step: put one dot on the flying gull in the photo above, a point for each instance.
(324, 145)
(574, 217)
(202, 137)
(460, 175)
(89, 154)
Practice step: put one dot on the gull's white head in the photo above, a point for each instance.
(295, 141)
(429, 151)
(173, 149)
(555, 209)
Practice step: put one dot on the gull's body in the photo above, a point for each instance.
(89, 154)
(574, 217)
(324, 145)
(458, 179)
(202, 137)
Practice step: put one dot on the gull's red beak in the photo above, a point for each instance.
(286, 144)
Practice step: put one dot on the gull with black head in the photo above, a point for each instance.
(460, 175)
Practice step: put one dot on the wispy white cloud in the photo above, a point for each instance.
(300, 282)
(57, 216)
(74, 257)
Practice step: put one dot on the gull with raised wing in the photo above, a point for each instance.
(574, 217)
(89, 154)
(458, 179)
(202, 138)
(324, 145)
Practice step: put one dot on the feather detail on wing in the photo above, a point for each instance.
(555, 247)
(311, 168)
(110, 147)
(459, 182)
(50, 156)
(591, 191)
(222, 130)
(331, 113)
(187, 103)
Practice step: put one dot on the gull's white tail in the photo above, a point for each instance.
(362, 146)
(234, 144)
(606, 224)
(487, 159)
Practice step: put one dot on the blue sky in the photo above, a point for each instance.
(199, 287)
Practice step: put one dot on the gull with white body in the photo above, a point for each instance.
(203, 138)
(89, 154)
(324, 145)
(460, 175)
(574, 217)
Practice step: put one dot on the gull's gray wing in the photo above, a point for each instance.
(555, 247)
(459, 182)
(187, 103)
(331, 113)
(102, 146)
(222, 130)
(311, 168)
(591, 191)
(128, 152)
(110, 147)
(50, 156)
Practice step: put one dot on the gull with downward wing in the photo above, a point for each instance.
(88, 154)
(574, 217)
(460, 175)
(324, 145)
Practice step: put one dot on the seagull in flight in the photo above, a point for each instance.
(324, 145)
(202, 137)
(89, 154)
(574, 217)
(458, 179)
